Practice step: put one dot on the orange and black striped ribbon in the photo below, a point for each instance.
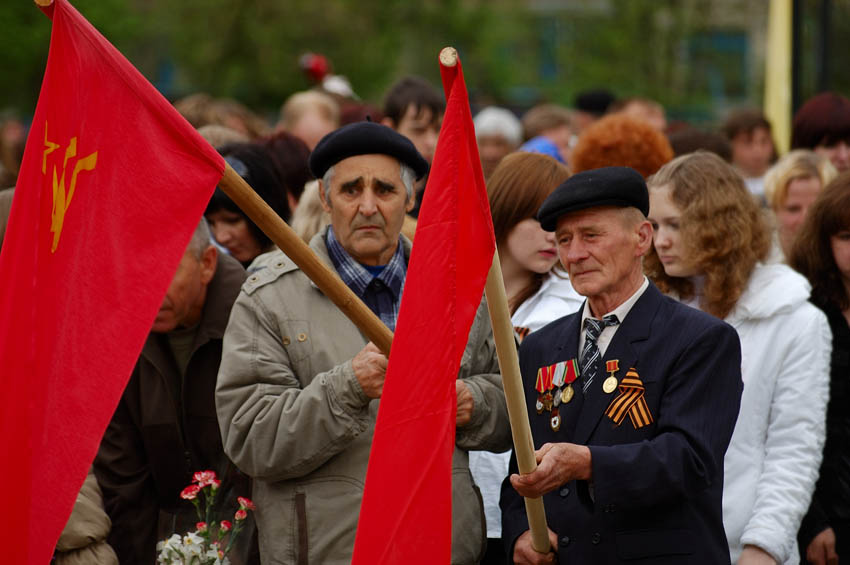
(521, 332)
(630, 401)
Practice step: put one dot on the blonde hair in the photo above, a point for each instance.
(309, 217)
(797, 164)
(301, 103)
(722, 228)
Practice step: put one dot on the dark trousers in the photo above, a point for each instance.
(495, 554)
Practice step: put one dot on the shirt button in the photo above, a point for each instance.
(302, 337)
(565, 541)
(286, 340)
(565, 492)
(595, 539)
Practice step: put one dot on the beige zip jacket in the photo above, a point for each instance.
(293, 416)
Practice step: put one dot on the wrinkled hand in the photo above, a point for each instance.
(525, 554)
(465, 403)
(557, 463)
(821, 550)
(370, 368)
(753, 555)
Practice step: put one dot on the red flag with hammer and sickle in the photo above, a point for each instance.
(112, 185)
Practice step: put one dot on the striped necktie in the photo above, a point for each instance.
(590, 352)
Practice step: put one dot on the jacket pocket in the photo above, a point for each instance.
(326, 512)
(302, 548)
(637, 544)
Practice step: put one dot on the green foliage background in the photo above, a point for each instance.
(514, 52)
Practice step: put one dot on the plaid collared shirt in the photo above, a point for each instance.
(382, 293)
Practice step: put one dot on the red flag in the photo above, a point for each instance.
(112, 185)
(405, 516)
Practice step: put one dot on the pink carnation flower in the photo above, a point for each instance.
(215, 483)
(245, 503)
(190, 492)
(240, 515)
(226, 526)
(201, 527)
(204, 478)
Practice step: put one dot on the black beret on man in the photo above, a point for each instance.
(607, 186)
(365, 138)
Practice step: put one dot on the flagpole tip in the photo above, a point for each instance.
(44, 3)
(448, 56)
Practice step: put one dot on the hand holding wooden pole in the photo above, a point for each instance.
(503, 333)
(288, 241)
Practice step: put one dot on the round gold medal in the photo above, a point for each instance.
(610, 385)
(567, 394)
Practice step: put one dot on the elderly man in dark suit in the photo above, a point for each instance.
(632, 399)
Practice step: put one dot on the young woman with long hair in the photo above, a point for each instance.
(709, 243)
(537, 294)
(822, 254)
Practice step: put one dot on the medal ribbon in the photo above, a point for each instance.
(630, 401)
(544, 378)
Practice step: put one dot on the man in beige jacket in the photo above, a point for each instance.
(298, 389)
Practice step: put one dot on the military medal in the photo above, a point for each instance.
(570, 375)
(543, 387)
(630, 402)
(550, 394)
(558, 372)
(609, 385)
(555, 420)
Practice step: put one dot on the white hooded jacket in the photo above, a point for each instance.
(773, 459)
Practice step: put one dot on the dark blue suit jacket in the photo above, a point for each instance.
(655, 496)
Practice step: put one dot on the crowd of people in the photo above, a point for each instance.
(681, 298)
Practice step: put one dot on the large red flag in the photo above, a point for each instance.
(406, 516)
(112, 184)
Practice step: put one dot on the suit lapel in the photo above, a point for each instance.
(568, 349)
(634, 328)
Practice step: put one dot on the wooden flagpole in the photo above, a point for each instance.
(288, 241)
(282, 235)
(503, 333)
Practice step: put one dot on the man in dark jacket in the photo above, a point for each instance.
(165, 426)
(632, 400)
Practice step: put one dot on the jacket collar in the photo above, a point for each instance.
(318, 245)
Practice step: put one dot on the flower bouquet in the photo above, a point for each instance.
(206, 545)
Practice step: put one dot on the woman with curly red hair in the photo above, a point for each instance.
(821, 253)
(709, 243)
(621, 141)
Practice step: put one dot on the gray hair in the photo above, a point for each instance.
(493, 120)
(408, 177)
(201, 239)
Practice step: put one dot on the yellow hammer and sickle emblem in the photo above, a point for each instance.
(61, 198)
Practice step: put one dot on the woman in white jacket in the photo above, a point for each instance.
(709, 242)
(536, 294)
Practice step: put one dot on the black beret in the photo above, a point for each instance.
(608, 186)
(365, 138)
